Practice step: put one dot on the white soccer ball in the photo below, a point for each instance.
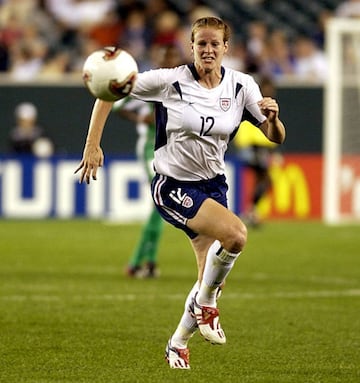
(110, 73)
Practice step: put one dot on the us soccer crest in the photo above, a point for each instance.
(225, 104)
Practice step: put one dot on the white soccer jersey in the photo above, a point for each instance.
(194, 124)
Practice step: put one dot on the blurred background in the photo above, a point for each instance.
(44, 43)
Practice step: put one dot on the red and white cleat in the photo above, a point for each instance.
(177, 357)
(209, 324)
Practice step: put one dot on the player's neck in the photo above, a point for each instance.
(209, 78)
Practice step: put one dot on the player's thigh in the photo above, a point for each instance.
(216, 221)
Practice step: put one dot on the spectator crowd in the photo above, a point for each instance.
(50, 38)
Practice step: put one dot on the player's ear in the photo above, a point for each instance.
(226, 46)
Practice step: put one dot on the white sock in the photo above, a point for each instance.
(218, 264)
(192, 294)
(187, 325)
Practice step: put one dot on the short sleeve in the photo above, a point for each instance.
(151, 85)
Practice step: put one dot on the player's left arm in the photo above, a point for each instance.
(272, 127)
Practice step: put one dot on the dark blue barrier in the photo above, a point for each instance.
(43, 188)
(64, 112)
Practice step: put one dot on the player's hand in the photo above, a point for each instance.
(93, 158)
(269, 108)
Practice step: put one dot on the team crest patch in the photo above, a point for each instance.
(187, 202)
(225, 104)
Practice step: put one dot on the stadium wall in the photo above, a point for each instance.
(64, 112)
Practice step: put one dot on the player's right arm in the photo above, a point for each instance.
(93, 156)
(148, 88)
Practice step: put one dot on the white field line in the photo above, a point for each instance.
(140, 297)
(320, 279)
(114, 271)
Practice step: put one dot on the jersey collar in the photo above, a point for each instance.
(196, 74)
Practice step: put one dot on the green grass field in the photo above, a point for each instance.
(290, 310)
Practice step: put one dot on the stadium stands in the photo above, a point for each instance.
(57, 47)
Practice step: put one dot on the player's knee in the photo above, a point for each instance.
(236, 238)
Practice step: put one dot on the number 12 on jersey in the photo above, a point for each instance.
(207, 123)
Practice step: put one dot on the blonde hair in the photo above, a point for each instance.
(212, 22)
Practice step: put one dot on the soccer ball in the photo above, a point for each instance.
(110, 73)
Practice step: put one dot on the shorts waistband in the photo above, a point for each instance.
(218, 177)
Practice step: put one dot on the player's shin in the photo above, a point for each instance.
(218, 264)
(187, 325)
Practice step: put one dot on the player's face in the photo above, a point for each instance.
(209, 48)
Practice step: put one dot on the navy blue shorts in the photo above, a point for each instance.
(178, 201)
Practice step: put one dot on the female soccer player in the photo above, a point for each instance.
(198, 109)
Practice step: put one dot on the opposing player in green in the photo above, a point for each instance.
(143, 262)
